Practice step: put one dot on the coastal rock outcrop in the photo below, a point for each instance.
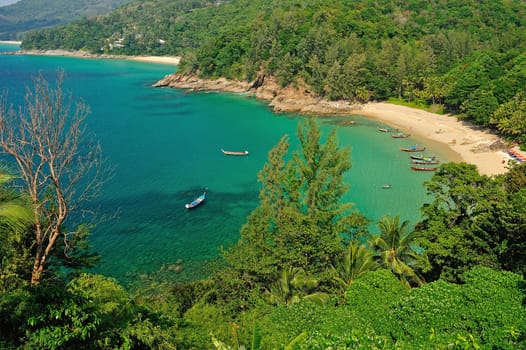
(194, 83)
(297, 99)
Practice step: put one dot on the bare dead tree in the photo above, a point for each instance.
(61, 167)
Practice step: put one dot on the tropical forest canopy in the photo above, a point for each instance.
(306, 272)
(466, 57)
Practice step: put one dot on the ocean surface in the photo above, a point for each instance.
(165, 145)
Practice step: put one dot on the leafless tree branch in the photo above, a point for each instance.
(61, 166)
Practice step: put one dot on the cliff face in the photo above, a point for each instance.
(287, 100)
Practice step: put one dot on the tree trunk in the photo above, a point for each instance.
(36, 275)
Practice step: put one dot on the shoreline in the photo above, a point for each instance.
(463, 141)
(467, 143)
(167, 60)
(10, 42)
(472, 144)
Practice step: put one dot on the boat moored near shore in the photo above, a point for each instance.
(413, 148)
(423, 168)
(235, 153)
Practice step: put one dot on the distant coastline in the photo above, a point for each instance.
(168, 60)
(10, 42)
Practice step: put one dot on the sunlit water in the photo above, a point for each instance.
(165, 145)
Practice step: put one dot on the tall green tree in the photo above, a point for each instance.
(462, 200)
(395, 249)
(301, 221)
(510, 117)
(502, 223)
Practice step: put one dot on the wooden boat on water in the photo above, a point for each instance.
(384, 129)
(422, 157)
(196, 201)
(414, 148)
(400, 135)
(423, 168)
(425, 161)
(232, 153)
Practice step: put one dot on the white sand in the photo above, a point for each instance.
(10, 42)
(473, 145)
(157, 59)
(170, 60)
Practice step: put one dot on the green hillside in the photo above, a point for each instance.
(34, 14)
(466, 57)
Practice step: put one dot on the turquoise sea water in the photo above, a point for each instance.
(165, 147)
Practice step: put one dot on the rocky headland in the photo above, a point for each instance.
(286, 100)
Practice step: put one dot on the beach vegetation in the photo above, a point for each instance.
(354, 262)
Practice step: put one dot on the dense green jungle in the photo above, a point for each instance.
(467, 58)
(306, 272)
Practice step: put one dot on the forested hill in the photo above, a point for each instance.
(465, 56)
(25, 15)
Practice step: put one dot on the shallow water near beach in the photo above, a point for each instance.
(165, 146)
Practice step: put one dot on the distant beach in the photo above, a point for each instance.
(10, 42)
(168, 60)
(173, 60)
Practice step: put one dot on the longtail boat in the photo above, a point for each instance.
(232, 153)
(423, 168)
(412, 149)
(422, 157)
(400, 135)
(425, 161)
(196, 201)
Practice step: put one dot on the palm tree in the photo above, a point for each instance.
(294, 285)
(395, 250)
(256, 340)
(356, 261)
(15, 217)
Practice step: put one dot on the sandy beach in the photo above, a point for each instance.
(10, 42)
(156, 59)
(473, 145)
(169, 60)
